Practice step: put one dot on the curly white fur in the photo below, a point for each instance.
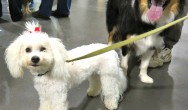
(42, 54)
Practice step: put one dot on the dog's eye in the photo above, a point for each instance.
(42, 49)
(28, 50)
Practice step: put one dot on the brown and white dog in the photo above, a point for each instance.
(26, 9)
(128, 18)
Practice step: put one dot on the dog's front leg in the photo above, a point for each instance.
(60, 102)
(44, 103)
(59, 99)
(42, 90)
(144, 66)
(124, 62)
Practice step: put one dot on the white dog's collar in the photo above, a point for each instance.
(42, 73)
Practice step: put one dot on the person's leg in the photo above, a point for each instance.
(15, 10)
(171, 37)
(0, 9)
(44, 9)
(63, 8)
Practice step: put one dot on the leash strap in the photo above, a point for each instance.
(128, 41)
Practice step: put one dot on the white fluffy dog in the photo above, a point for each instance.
(46, 57)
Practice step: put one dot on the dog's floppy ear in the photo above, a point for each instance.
(59, 69)
(12, 58)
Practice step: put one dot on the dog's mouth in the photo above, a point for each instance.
(156, 8)
(35, 65)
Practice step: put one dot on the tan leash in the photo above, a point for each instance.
(128, 41)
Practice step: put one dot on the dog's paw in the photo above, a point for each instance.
(111, 104)
(93, 92)
(146, 79)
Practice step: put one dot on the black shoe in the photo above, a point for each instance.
(59, 15)
(38, 15)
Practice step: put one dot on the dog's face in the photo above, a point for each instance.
(153, 10)
(36, 53)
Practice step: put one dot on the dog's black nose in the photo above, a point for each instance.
(35, 59)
